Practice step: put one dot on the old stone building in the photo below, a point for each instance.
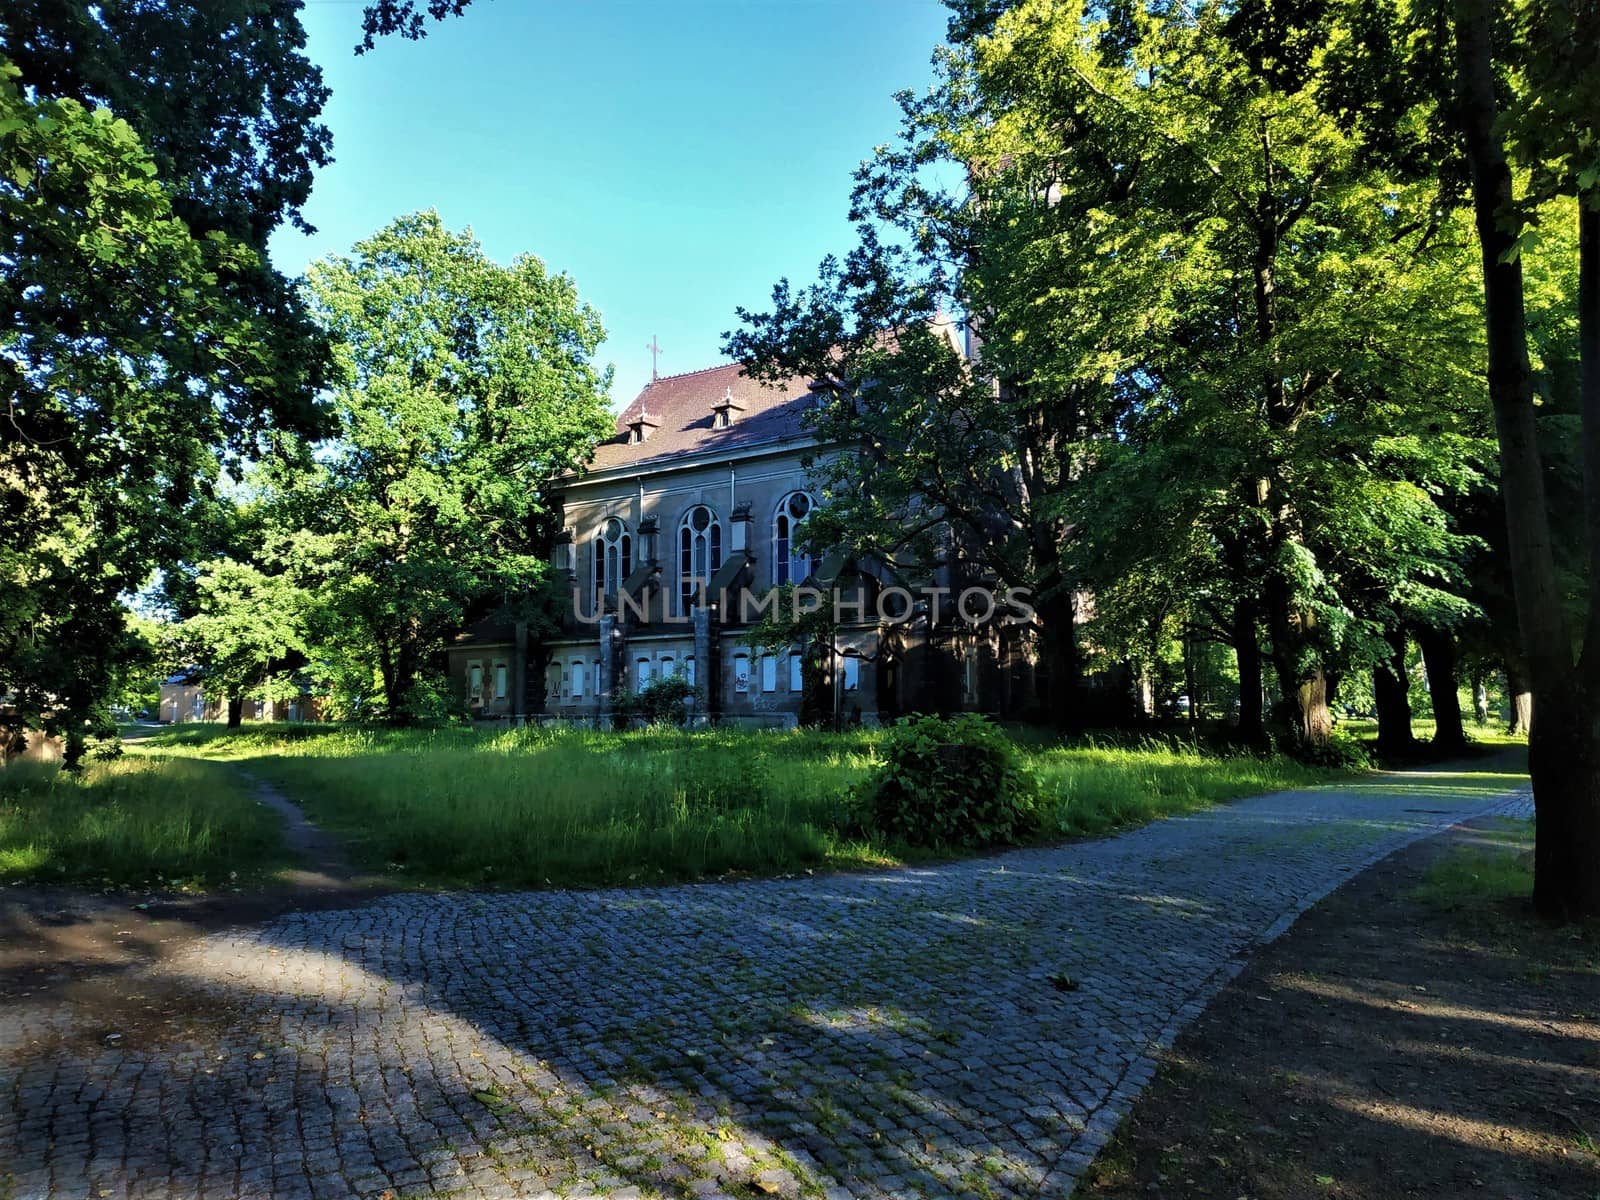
(681, 528)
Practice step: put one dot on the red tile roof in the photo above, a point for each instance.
(682, 405)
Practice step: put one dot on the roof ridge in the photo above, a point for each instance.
(732, 362)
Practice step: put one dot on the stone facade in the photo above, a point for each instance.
(684, 524)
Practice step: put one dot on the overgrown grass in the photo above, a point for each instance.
(1094, 789)
(134, 821)
(532, 807)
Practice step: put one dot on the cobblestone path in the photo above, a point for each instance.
(971, 1029)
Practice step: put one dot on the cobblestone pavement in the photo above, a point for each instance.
(971, 1029)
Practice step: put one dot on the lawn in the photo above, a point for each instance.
(540, 807)
(136, 821)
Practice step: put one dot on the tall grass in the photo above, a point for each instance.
(541, 806)
(1094, 788)
(133, 821)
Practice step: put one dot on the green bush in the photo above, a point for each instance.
(1341, 752)
(949, 782)
(663, 701)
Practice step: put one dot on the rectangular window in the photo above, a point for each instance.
(577, 678)
(688, 670)
(852, 672)
(796, 674)
(642, 672)
(769, 673)
(741, 673)
(668, 667)
(475, 682)
(502, 681)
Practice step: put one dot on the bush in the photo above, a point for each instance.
(949, 782)
(1341, 752)
(663, 701)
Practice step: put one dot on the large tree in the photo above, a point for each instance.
(1217, 348)
(146, 152)
(1527, 95)
(463, 388)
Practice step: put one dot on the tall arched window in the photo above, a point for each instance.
(789, 564)
(699, 553)
(613, 558)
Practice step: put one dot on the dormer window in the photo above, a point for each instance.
(642, 426)
(789, 563)
(613, 559)
(724, 411)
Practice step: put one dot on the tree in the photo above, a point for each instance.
(1209, 335)
(146, 152)
(1551, 123)
(249, 635)
(463, 388)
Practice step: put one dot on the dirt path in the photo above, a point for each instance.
(75, 941)
(1382, 1049)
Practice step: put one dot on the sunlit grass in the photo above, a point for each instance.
(578, 806)
(1477, 877)
(133, 821)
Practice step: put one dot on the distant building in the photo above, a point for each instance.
(184, 699)
(693, 512)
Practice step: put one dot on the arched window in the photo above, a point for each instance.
(789, 565)
(699, 553)
(613, 558)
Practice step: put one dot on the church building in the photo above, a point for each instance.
(682, 526)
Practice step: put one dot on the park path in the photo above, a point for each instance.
(976, 1028)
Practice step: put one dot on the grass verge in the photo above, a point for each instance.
(1496, 868)
(543, 807)
(134, 821)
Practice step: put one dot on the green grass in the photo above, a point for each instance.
(1474, 878)
(533, 807)
(134, 821)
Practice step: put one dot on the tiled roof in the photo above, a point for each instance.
(682, 405)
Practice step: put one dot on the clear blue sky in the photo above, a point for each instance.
(675, 158)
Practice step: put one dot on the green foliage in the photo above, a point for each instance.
(949, 782)
(463, 389)
(664, 701)
(249, 634)
(1342, 751)
(147, 151)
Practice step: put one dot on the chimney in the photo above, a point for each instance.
(723, 410)
(642, 426)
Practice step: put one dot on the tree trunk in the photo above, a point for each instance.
(1391, 694)
(1303, 710)
(235, 712)
(1247, 649)
(1188, 683)
(1444, 688)
(1058, 652)
(1519, 690)
(399, 685)
(1564, 745)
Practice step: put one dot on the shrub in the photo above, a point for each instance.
(948, 782)
(663, 701)
(1340, 752)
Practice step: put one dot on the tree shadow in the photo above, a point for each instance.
(939, 1032)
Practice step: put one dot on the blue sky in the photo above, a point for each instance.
(675, 158)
